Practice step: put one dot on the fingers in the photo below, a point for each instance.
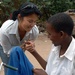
(28, 45)
(23, 46)
(39, 72)
(29, 42)
(36, 70)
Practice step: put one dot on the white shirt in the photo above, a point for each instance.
(9, 36)
(63, 65)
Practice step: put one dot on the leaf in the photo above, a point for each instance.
(7, 0)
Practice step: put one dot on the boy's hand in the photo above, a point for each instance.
(30, 46)
(39, 72)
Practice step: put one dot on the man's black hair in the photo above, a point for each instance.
(62, 22)
(26, 9)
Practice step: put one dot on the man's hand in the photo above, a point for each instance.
(28, 45)
(23, 46)
(39, 72)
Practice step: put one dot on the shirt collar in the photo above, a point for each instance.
(71, 50)
(28, 33)
(14, 29)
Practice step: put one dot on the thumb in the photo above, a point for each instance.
(35, 70)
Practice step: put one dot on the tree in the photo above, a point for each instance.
(47, 7)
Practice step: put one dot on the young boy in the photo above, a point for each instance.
(61, 60)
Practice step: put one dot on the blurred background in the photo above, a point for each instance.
(47, 7)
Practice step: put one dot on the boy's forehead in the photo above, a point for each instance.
(50, 28)
(48, 25)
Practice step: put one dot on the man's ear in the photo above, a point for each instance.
(19, 16)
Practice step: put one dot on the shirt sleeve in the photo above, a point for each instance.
(73, 73)
(5, 43)
(35, 32)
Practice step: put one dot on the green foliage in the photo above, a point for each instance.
(47, 7)
(50, 7)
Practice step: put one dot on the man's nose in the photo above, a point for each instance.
(34, 23)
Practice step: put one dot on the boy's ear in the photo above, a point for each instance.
(62, 33)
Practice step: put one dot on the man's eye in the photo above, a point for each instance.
(30, 21)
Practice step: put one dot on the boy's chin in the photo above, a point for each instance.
(55, 44)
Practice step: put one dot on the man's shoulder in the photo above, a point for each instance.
(7, 24)
(35, 29)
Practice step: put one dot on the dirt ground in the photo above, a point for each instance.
(43, 45)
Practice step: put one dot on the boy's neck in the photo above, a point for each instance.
(65, 45)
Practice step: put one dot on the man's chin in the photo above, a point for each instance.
(29, 29)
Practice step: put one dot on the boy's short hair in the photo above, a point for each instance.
(62, 22)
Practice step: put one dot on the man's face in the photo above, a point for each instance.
(53, 35)
(27, 23)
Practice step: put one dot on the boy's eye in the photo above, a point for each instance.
(49, 34)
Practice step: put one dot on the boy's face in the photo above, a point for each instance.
(54, 36)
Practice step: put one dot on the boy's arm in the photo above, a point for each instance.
(30, 46)
(39, 59)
